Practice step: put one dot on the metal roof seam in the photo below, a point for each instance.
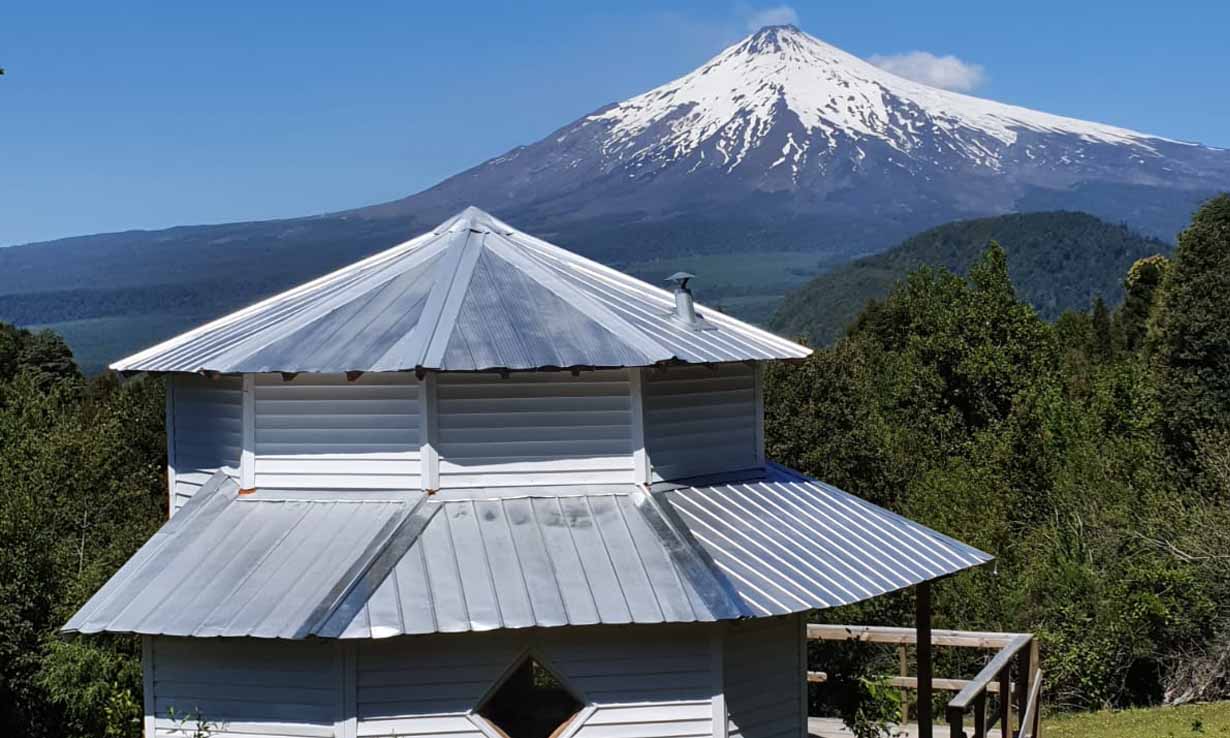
(251, 571)
(576, 550)
(516, 551)
(674, 569)
(698, 564)
(334, 599)
(641, 561)
(555, 577)
(606, 550)
(482, 542)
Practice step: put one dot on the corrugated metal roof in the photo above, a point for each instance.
(787, 543)
(777, 544)
(517, 562)
(227, 565)
(472, 294)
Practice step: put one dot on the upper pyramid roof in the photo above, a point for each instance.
(472, 294)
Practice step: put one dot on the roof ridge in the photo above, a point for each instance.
(456, 267)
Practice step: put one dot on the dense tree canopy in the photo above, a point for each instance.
(1193, 332)
(1046, 445)
(81, 487)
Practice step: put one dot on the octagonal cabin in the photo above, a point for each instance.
(477, 485)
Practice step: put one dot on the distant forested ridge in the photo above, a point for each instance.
(1057, 260)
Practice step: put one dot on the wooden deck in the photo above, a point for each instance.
(834, 728)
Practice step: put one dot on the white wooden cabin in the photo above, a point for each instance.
(477, 479)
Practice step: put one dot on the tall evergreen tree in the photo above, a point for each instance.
(1141, 288)
(1193, 332)
(1101, 335)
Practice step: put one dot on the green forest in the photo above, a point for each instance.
(1058, 261)
(1090, 455)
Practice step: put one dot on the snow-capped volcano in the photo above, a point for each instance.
(783, 125)
(782, 76)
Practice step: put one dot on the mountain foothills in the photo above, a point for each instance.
(778, 147)
(1058, 261)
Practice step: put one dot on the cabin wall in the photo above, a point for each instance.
(242, 687)
(764, 678)
(323, 432)
(538, 428)
(637, 681)
(682, 680)
(381, 432)
(702, 420)
(204, 431)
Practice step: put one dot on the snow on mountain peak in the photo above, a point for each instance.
(732, 102)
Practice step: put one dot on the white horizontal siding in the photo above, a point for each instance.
(664, 720)
(644, 681)
(533, 429)
(701, 420)
(762, 675)
(322, 432)
(245, 687)
(207, 418)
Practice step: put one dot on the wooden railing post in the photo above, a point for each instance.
(1024, 677)
(956, 722)
(1005, 702)
(903, 660)
(922, 622)
(980, 715)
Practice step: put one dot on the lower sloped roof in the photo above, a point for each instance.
(230, 565)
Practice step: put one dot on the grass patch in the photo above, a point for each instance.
(1187, 721)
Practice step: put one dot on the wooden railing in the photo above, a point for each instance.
(1019, 650)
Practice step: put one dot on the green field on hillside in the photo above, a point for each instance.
(1188, 721)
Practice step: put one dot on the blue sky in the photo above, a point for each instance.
(144, 115)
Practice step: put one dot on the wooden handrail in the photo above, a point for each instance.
(989, 673)
(908, 636)
(948, 685)
(971, 695)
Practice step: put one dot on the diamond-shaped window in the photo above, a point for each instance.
(531, 702)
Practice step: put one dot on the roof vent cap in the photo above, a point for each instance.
(685, 306)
